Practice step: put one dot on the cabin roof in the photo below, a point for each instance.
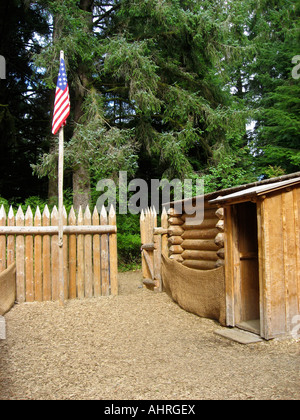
(258, 190)
(217, 197)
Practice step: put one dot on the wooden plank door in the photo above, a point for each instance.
(247, 302)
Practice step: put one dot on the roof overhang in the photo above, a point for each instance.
(244, 192)
(251, 194)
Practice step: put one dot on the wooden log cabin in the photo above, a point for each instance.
(253, 231)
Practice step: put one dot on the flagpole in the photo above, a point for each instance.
(60, 211)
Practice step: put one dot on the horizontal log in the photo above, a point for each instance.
(176, 257)
(220, 225)
(148, 247)
(175, 231)
(219, 240)
(176, 249)
(220, 263)
(175, 221)
(200, 234)
(172, 212)
(53, 230)
(89, 229)
(200, 265)
(175, 240)
(204, 214)
(160, 231)
(221, 253)
(193, 222)
(188, 207)
(200, 244)
(220, 213)
(199, 255)
(205, 224)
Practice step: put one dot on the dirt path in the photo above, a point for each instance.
(139, 345)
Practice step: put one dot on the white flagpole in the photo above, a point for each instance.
(60, 211)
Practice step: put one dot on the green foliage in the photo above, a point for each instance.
(5, 204)
(129, 253)
(272, 90)
(129, 241)
(23, 106)
(34, 202)
(164, 67)
(226, 174)
(131, 62)
(229, 169)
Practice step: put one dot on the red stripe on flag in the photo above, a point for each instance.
(61, 109)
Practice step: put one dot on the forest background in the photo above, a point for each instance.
(159, 88)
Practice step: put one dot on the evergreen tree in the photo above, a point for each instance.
(22, 103)
(273, 91)
(164, 74)
(154, 68)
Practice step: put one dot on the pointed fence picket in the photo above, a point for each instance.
(90, 253)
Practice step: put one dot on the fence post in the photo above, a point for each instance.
(80, 256)
(157, 261)
(72, 257)
(2, 240)
(10, 239)
(96, 256)
(88, 269)
(47, 292)
(104, 255)
(66, 265)
(113, 253)
(54, 257)
(20, 259)
(38, 287)
(156, 239)
(143, 241)
(29, 283)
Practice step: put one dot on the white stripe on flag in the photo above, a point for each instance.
(62, 104)
(61, 118)
(61, 108)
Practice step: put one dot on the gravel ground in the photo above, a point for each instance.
(137, 346)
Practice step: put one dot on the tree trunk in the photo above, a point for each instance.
(81, 174)
(81, 187)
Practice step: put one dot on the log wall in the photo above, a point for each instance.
(197, 245)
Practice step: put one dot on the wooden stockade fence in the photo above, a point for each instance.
(90, 253)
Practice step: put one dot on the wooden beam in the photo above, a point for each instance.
(113, 253)
(149, 263)
(160, 231)
(148, 247)
(200, 234)
(52, 230)
(200, 244)
(200, 265)
(189, 254)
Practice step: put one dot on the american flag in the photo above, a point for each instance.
(62, 99)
